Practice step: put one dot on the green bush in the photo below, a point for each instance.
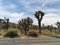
(11, 33)
(33, 34)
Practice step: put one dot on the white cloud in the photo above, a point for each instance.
(52, 10)
(14, 17)
(51, 1)
(50, 18)
(51, 15)
(42, 6)
(10, 6)
(43, 2)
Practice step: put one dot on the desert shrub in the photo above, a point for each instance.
(32, 33)
(11, 33)
(0, 34)
(47, 33)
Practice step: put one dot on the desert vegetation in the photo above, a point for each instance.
(25, 27)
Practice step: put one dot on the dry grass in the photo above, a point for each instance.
(56, 43)
(49, 33)
(45, 33)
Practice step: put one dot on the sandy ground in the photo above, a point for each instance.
(41, 36)
(56, 43)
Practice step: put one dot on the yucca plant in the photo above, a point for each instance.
(39, 15)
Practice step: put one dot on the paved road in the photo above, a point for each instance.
(30, 41)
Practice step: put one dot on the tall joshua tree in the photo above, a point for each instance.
(39, 15)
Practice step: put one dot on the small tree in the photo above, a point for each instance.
(6, 23)
(50, 27)
(39, 15)
(58, 25)
(0, 24)
(25, 24)
(29, 22)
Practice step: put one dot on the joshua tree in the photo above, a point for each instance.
(50, 27)
(58, 25)
(29, 22)
(6, 23)
(1, 23)
(39, 15)
(25, 24)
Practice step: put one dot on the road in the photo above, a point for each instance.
(30, 41)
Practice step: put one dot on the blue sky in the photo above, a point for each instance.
(18, 9)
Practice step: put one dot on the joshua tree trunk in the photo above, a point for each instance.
(28, 26)
(25, 32)
(39, 23)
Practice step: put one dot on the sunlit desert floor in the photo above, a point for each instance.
(56, 43)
